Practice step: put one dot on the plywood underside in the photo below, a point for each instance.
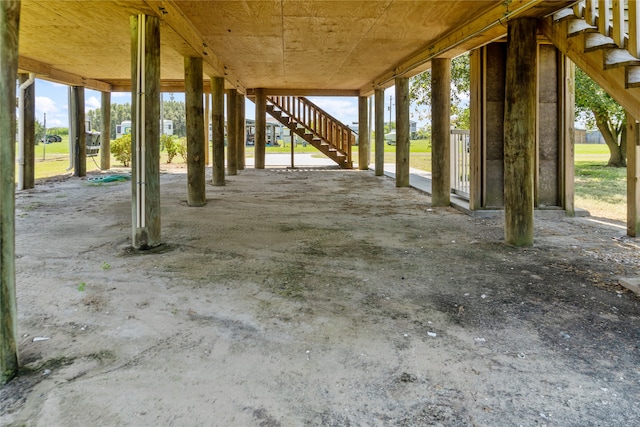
(280, 44)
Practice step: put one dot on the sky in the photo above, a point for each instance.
(52, 100)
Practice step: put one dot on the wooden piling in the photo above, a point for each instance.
(27, 119)
(207, 122)
(363, 133)
(402, 132)
(105, 131)
(633, 175)
(217, 129)
(261, 128)
(77, 130)
(520, 131)
(9, 31)
(145, 141)
(232, 128)
(196, 192)
(440, 132)
(241, 131)
(379, 132)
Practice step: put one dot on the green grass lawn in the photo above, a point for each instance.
(599, 189)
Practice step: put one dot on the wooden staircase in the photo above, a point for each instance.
(603, 39)
(305, 119)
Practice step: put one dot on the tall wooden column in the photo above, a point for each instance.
(9, 31)
(232, 127)
(217, 129)
(363, 134)
(27, 121)
(476, 133)
(145, 141)
(379, 132)
(567, 132)
(633, 176)
(77, 130)
(241, 130)
(402, 132)
(196, 194)
(207, 122)
(520, 131)
(440, 132)
(261, 128)
(105, 131)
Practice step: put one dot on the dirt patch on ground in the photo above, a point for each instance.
(315, 297)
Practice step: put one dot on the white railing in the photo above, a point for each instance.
(460, 173)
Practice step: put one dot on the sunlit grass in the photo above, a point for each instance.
(599, 189)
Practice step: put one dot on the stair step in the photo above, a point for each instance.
(578, 26)
(563, 14)
(619, 58)
(595, 41)
(633, 77)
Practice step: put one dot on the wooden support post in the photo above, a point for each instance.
(402, 132)
(145, 141)
(261, 128)
(196, 192)
(476, 138)
(9, 31)
(207, 122)
(633, 176)
(363, 134)
(77, 130)
(292, 137)
(440, 132)
(520, 131)
(232, 126)
(567, 128)
(105, 131)
(379, 132)
(217, 129)
(241, 134)
(27, 121)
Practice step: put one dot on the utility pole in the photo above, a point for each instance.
(390, 105)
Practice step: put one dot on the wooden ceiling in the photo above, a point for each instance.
(307, 46)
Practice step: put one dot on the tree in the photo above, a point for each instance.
(172, 110)
(175, 110)
(420, 90)
(596, 107)
(119, 113)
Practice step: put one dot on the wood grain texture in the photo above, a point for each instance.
(402, 132)
(9, 22)
(520, 131)
(440, 132)
(196, 194)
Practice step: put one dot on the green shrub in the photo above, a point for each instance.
(121, 149)
(174, 146)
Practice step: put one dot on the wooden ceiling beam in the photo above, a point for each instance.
(171, 15)
(48, 72)
(307, 92)
(484, 29)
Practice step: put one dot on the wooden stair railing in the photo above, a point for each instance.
(314, 125)
(602, 38)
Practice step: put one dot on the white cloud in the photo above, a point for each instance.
(343, 109)
(91, 103)
(45, 105)
(55, 117)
